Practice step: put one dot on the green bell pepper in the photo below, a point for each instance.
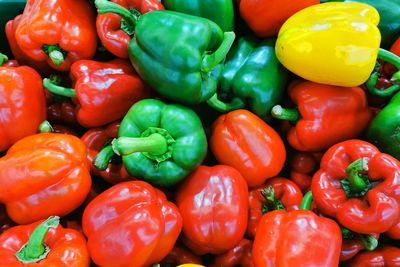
(389, 11)
(175, 53)
(251, 77)
(219, 11)
(384, 130)
(159, 143)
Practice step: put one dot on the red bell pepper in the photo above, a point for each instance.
(43, 175)
(303, 165)
(114, 34)
(359, 186)
(387, 256)
(276, 193)
(394, 231)
(131, 224)
(5, 62)
(265, 18)
(43, 244)
(181, 255)
(297, 238)
(242, 140)
(55, 32)
(213, 202)
(95, 139)
(353, 243)
(240, 255)
(104, 91)
(325, 115)
(23, 104)
(63, 113)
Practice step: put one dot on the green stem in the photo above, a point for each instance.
(346, 233)
(55, 53)
(58, 90)
(269, 194)
(369, 242)
(396, 78)
(104, 6)
(371, 86)
(34, 250)
(217, 104)
(212, 60)
(356, 182)
(389, 57)
(292, 115)
(45, 127)
(306, 201)
(3, 59)
(104, 157)
(155, 144)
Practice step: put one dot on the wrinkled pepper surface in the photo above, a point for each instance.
(388, 256)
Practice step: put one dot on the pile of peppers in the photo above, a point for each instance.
(192, 133)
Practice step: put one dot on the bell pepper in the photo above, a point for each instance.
(159, 143)
(213, 202)
(112, 29)
(63, 113)
(333, 43)
(44, 174)
(359, 186)
(5, 62)
(131, 224)
(394, 231)
(297, 238)
(265, 18)
(219, 11)
(242, 140)
(240, 255)
(23, 104)
(180, 255)
(175, 53)
(303, 165)
(43, 243)
(95, 139)
(251, 76)
(325, 115)
(276, 194)
(104, 91)
(388, 256)
(353, 243)
(55, 32)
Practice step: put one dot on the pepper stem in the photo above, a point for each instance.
(369, 242)
(45, 127)
(269, 194)
(306, 201)
(55, 53)
(34, 250)
(396, 78)
(103, 158)
(389, 57)
(3, 59)
(58, 90)
(278, 112)
(371, 85)
(212, 60)
(217, 104)
(154, 144)
(356, 184)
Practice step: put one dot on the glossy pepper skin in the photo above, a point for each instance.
(242, 140)
(240, 255)
(23, 104)
(251, 77)
(219, 11)
(213, 202)
(67, 247)
(160, 143)
(388, 256)
(44, 170)
(265, 18)
(104, 91)
(325, 115)
(95, 139)
(112, 34)
(276, 193)
(303, 165)
(57, 33)
(131, 224)
(342, 187)
(353, 245)
(331, 43)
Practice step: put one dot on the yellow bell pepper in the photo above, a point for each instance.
(331, 43)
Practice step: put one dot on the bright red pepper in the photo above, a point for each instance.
(303, 165)
(296, 238)
(325, 115)
(95, 139)
(213, 202)
(359, 186)
(242, 140)
(387, 68)
(353, 244)
(104, 91)
(394, 231)
(43, 175)
(113, 33)
(181, 255)
(265, 18)
(63, 113)
(276, 193)
(23, 104)
(387, 256)
(131, 224)
(43, 244)
(240, 255)
(55, 32)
